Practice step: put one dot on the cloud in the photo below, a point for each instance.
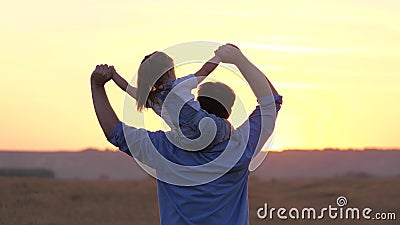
(297, 49)
(238, 13)
(287, 85)
(281, 38)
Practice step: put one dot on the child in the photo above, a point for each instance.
(156, 79)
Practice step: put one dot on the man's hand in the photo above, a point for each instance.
(101, 75)
(229, 53)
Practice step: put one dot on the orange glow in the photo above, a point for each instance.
(335, 62)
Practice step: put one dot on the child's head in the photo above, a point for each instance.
(155, 69)
(216, 98)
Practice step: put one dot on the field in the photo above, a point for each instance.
(30, 201)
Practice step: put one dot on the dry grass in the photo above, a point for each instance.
(28, 201)
(379, 194)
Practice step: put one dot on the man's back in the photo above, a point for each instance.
(223, 200)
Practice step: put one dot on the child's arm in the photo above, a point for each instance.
(207, 68)
(123, 84)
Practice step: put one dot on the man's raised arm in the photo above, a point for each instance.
(105, 114)
(262, 121)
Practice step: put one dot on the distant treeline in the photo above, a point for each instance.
(14, 172)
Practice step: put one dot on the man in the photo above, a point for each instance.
(217, 192)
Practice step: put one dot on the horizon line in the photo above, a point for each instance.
(275, 151)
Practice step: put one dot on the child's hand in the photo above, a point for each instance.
(113, 72)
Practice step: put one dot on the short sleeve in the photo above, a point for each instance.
(183, 87)
(190, 81)
(117, 138)
(181, 93)
(137, 143)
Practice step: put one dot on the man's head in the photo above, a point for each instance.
(216, 98)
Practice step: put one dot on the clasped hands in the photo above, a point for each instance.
(227, 53)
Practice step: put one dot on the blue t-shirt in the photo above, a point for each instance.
(221, 200)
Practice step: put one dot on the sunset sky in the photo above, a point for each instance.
(337, 64)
